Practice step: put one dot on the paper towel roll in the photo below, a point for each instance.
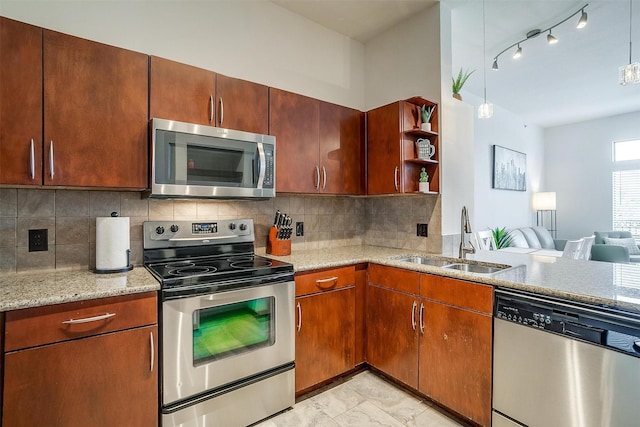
(112, 244)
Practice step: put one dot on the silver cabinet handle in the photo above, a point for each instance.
(324, 178)
(32, 161)
(333, 280)
(422, 318)
(51, 168)
(88, 319)
(221, 111)
(299, 317)
(395, 179)
(413, 315)
(211, 107)
(317, 177)
(153, 351)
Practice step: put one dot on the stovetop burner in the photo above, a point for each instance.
(192, 270)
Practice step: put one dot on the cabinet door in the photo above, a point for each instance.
(95, 114)
(341, 149)
(455, 360)
(181, 92)
(294, 121)
(392, 336)
(242, 105)
(20, 103)
(384, 174)
(106, 380)
(325, 338)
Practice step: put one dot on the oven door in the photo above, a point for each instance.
(209, 341)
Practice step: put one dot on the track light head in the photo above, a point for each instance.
(518, 53)
(582, 22)
(494, 67)
(551, 39)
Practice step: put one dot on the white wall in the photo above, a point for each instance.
(252, 39)
(404, 61)
(504, 208)
(578, 166)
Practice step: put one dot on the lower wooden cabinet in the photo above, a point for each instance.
(91, 378)
(325, 326)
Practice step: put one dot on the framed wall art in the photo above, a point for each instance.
(509, 169)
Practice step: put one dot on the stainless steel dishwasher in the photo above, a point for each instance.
(560, 363)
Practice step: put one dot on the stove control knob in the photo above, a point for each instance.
(243, 227)
(173, 228)
(159, 230)
(232, 226)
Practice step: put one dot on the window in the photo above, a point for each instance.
(626, 186)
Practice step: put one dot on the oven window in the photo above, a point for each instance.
(231, 329)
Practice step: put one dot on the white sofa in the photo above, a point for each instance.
(535, 238)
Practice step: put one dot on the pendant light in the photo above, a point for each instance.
(485, 110)
(629, 74)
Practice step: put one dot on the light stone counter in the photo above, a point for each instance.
(593, 282)
(24, 290)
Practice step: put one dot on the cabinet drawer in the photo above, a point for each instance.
(324, 280)
(472, 296)
(45, 325)
(394, 278)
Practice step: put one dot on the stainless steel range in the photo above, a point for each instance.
(227, 329)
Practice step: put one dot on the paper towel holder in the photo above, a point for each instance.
(129, 266)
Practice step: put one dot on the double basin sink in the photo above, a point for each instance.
(459, 266)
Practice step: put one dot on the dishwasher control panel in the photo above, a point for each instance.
(528, 315)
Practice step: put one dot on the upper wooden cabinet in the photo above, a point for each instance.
(181, 92)
(393, 162)
(242, 105)
(318, 145)
(94, 105)
(20, 103)
(95, 114)
(190, 94)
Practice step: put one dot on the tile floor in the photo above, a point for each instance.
(365, 400)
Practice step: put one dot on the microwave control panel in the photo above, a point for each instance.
(270, 166)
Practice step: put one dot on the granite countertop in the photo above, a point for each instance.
(592, 282)
(24, 290)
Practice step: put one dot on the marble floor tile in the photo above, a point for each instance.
(364, 400)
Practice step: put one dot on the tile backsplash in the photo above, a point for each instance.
(329, 221)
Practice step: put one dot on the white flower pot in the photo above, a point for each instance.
(423, 187)
(426, 127)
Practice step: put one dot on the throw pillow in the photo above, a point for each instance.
(627, 242)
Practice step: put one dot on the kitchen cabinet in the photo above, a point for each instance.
(20, 103)
(325, 325)
(361, 308)
(190, 94)
(319, 146)
(95, 114)
(456, 345)
(100, 372)
(392, 132)
(392, 318)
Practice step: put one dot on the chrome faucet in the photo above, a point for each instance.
(465, 228)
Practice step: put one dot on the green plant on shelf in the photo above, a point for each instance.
(423, 176)
(460, 80)
(426, 113)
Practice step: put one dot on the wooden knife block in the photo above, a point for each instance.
(277, 246)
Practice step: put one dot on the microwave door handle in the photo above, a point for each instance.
(262, 165)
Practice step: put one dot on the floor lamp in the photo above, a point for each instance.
(542, 203)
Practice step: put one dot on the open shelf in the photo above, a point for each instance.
(423, 161)
(420, 132)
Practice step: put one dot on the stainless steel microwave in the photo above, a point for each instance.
(196, 161)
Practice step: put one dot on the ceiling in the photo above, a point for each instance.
(574, 80)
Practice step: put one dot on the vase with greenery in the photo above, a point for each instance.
(426, 113)
(459, 81)
(501, 237)
(423, 181)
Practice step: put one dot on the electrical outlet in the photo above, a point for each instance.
(38, 240)
(299, 229)
(422, 230)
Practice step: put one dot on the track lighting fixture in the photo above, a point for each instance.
(551, 39)
(629, 74)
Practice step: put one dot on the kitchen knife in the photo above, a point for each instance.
(275, 221)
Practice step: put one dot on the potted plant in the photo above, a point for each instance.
(423, 181)
(459, 81)
(501, 237)
(426, 117)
